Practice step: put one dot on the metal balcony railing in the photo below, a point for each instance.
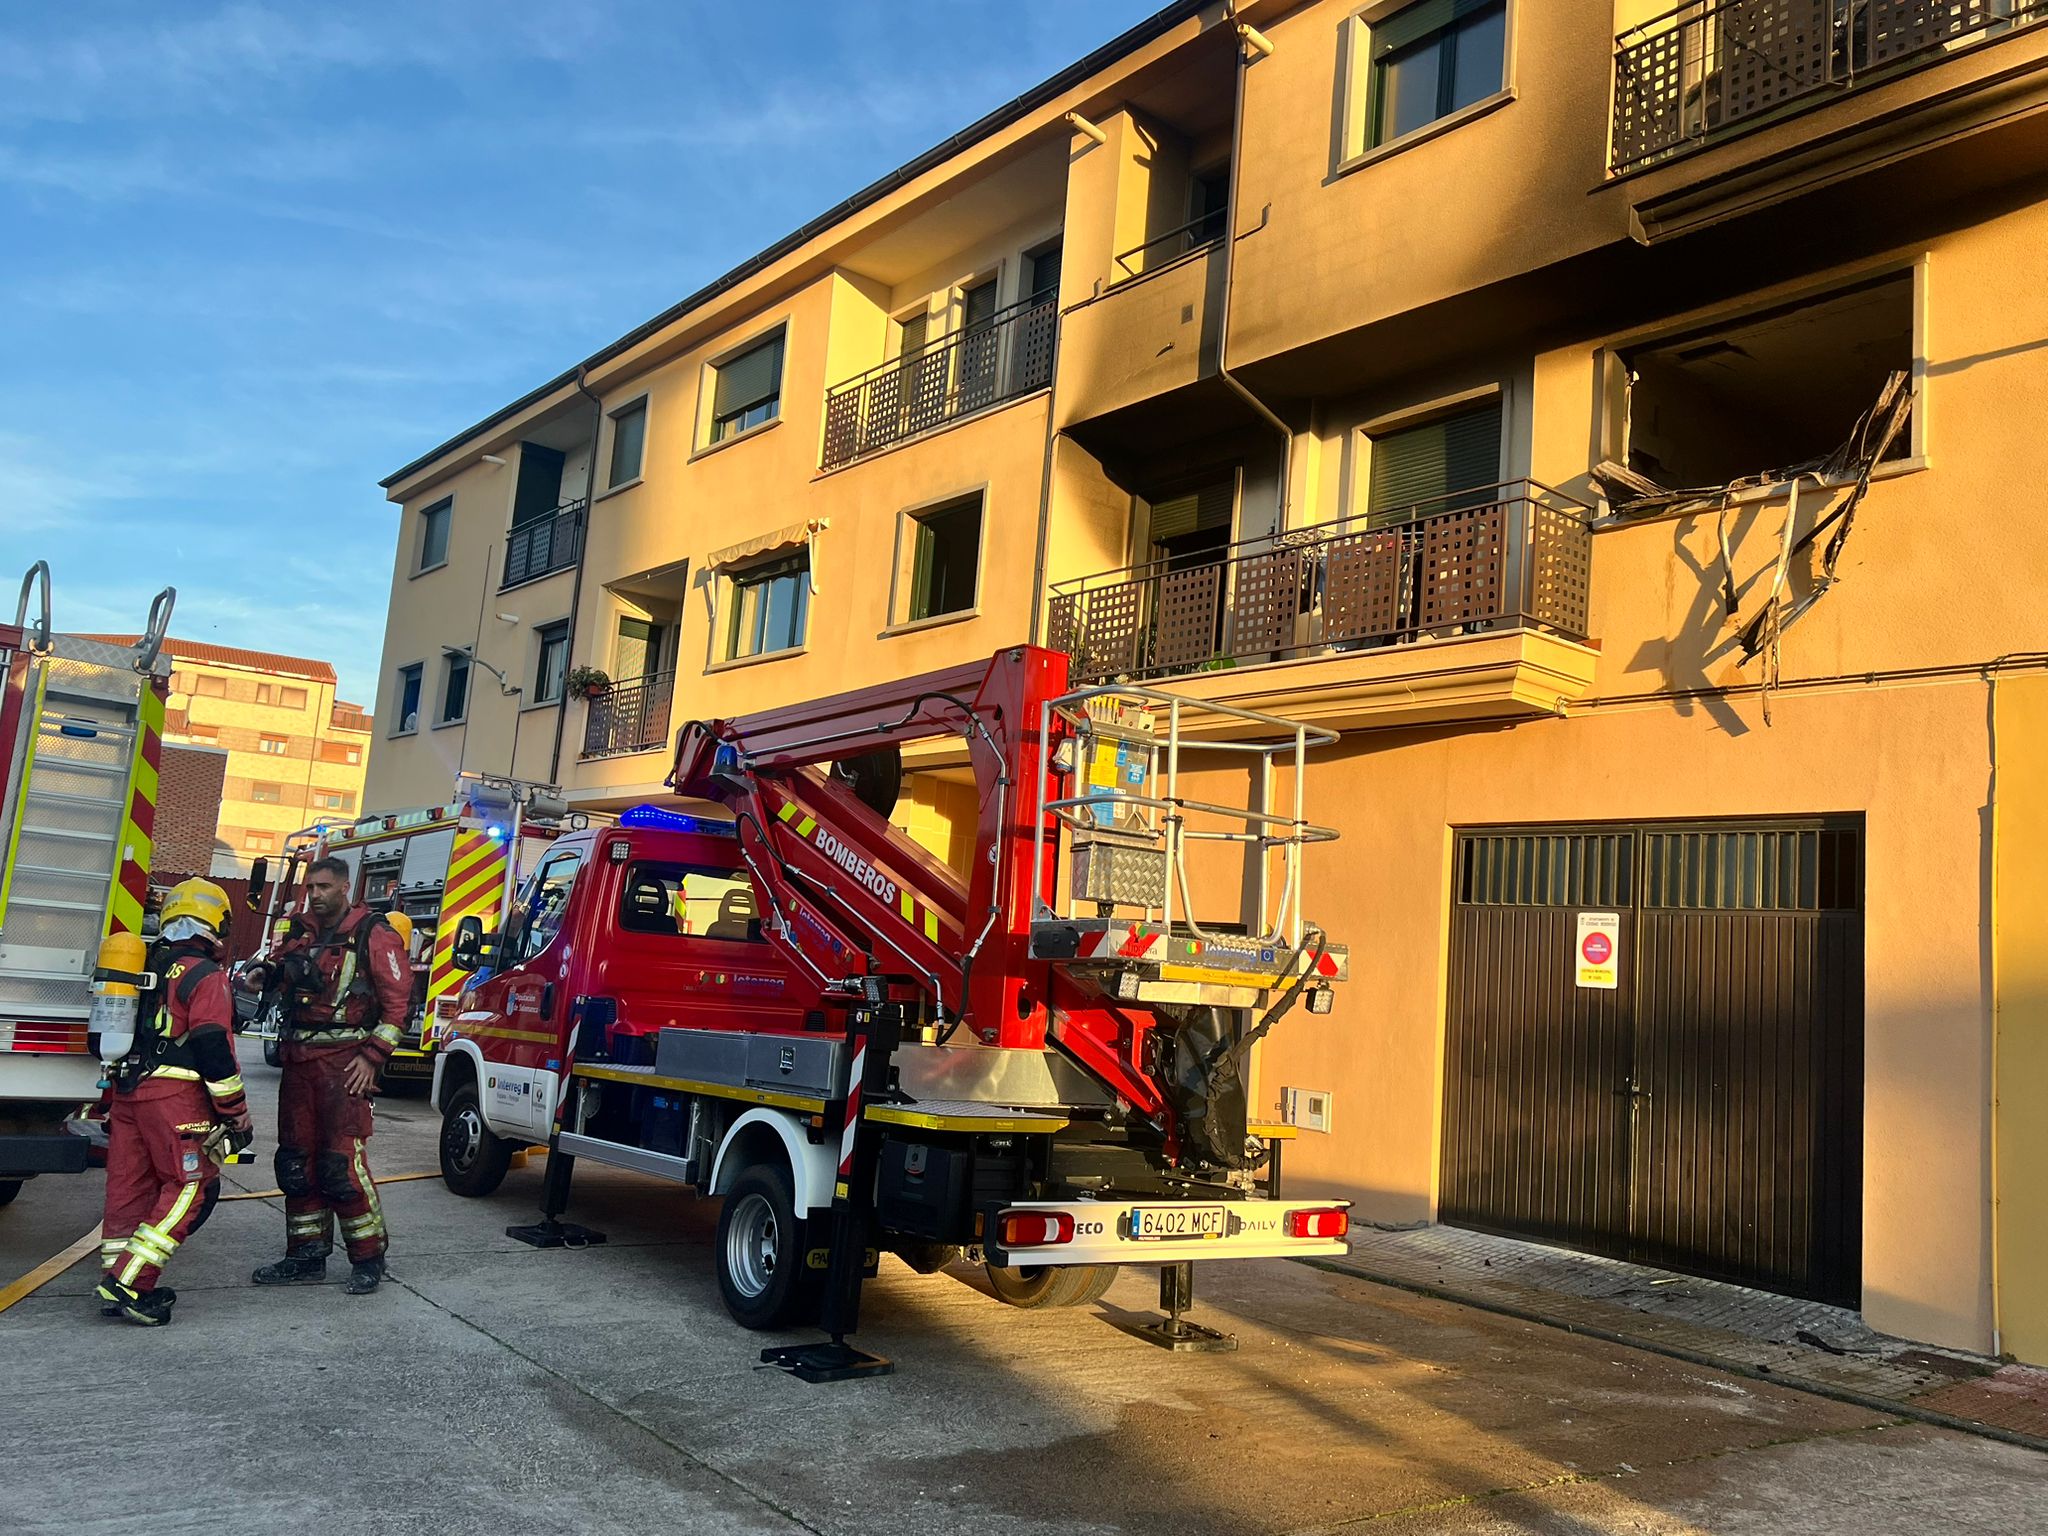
(629, 716)
(1707, 67)
(545, 545)
(953, 376)
(1172, 245)
(343, 719)
(1503, 557)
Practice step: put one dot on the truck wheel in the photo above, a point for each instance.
(1039, 1285)
(762, 1276)
(271, 1057)
(9, 1188)
(926, 1258)
(473, 1159)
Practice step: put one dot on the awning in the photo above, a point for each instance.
(748, 550)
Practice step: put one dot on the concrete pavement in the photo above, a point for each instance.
(491, 1388)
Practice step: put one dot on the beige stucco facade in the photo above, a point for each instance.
(1492, 261)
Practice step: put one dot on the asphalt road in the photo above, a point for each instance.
(490, 1388)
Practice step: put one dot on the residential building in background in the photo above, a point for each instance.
(1588, 409)
(296, 755)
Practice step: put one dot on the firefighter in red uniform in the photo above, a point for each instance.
(346, 984)
(172, 1091)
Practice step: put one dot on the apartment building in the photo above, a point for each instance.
(296, 755)
(1579, 406)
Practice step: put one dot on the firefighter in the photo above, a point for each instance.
(178, 1084)
(346, 984)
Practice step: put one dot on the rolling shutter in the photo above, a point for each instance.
(1424, 467)
(749, 379)
(1195, 510)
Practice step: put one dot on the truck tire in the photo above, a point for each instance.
(762, 1275)
(473, 1158)
(271, 1056)
(1038, 1285)
(9, 1188)
(926, 1258)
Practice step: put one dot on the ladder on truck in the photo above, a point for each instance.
(80, 727)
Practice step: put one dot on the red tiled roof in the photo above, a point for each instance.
(236, 656)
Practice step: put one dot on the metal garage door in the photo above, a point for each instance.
(1705, 1113)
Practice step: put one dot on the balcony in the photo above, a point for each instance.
(1171, 246)
(346, 717)
(950, 378)
(1502, 572)
(629, 716)
(1708, 69)
(544, 546)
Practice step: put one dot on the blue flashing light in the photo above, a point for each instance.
(495, 832)
(660, 818)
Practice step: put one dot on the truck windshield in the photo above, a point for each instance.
(689, 901)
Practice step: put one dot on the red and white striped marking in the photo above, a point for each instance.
(860, 1061)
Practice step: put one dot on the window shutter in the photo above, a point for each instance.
(1045, 272)
(748, 379)
(911, 342)
(1419, 21)
(977, 304)
(1430, 463)
(1192, 511)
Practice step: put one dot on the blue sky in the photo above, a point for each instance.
(256, 257)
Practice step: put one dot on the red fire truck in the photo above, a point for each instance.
(857, 1046)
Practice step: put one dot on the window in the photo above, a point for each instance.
(259, 842)
(207, 687)
(1191, 524)
(1430, 60)
(542, 905)
(1208, 206)
(1755, 395)
(334, 800)
(200, 732)
(551, 662)
(273, 746)
(263, 693)
(433, 545)
(181, 682)
(1042, 272)
(746, 390)
(291, 698)
(454, 690)
(689, 901)
(641, 649)
(944, 559)
(769, 605)
(340, 752)
(1436, 466)
(629, 441)
(267, 794)
(409, 698)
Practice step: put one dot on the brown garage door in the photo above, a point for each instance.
(1706, 1113)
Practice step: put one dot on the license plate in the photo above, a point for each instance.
(1155, 1222)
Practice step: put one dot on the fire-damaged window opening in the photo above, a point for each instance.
(1764, 393)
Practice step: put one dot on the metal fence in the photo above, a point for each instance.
(545, 545)
(629, 716)
(1501, 557)
(951, 376)
(1708, 66)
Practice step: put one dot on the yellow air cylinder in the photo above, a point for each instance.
(117, 994)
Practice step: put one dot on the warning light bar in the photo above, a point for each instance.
(660, 818)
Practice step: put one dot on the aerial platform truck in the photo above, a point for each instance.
(81, 732)
(437, 864)
(859, 1048)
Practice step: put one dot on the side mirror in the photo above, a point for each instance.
(468, 951)
(259, 883)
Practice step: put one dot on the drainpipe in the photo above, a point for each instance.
(1244, 48)
(582, 556)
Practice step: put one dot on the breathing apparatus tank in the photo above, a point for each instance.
(118, 980)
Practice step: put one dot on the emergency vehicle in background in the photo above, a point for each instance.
(437, 865)
(858, 1046)
(81, 731)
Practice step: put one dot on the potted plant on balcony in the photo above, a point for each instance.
(591, 682)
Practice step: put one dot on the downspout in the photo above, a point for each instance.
(582, 556)
(1244, 48)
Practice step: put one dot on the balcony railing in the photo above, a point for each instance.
(545, 545)
(629, 716)
(341, 719)
(1504, 557)
(1706, 67)
(1174, 244)
(955, 375)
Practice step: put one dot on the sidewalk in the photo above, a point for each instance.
(1803, 1344)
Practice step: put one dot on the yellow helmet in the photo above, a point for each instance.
(402, 926)
(200, 899)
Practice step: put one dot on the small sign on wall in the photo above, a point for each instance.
(1598, 951)
(1308, 1108)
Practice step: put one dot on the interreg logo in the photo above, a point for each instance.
(855, 865)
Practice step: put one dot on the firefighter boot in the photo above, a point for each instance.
(112, 1295)
(152, 1309)
(306, 1267)
(363, 1276)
